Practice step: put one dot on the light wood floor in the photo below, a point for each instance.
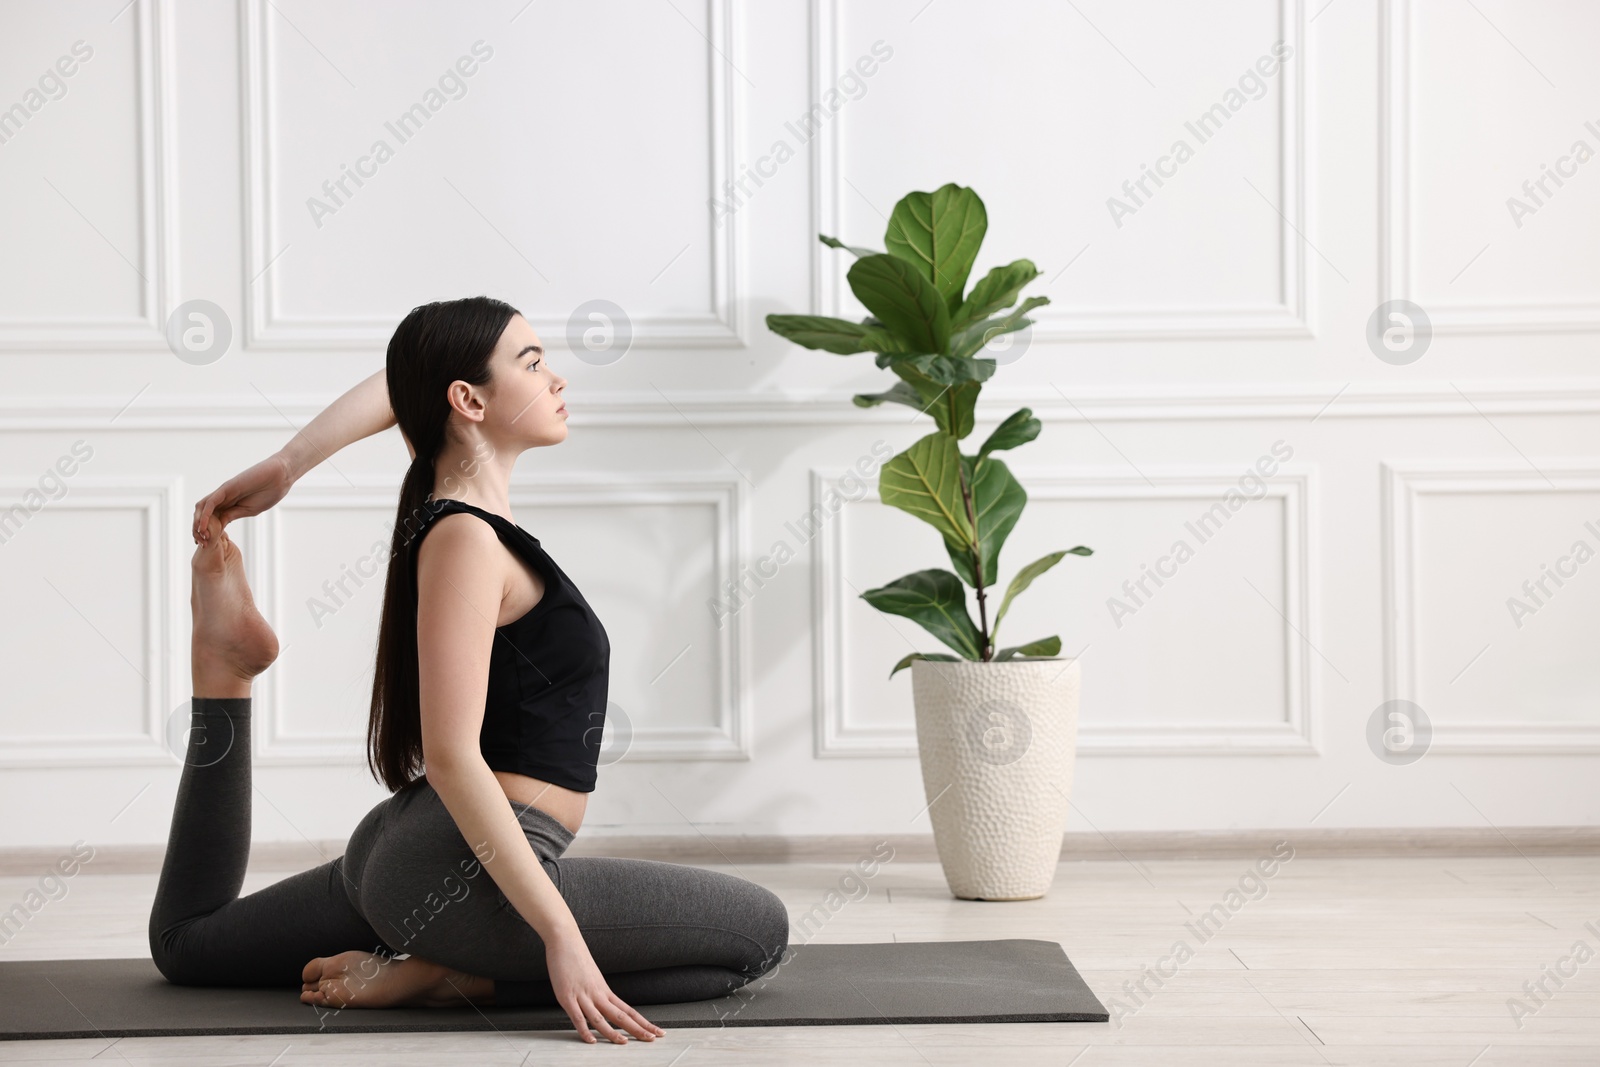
(1341, 961)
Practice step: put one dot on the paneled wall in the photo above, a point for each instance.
(1222, 198)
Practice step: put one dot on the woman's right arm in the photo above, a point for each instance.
(458, 599)
(362, 411)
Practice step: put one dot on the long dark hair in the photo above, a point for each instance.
(434, 345)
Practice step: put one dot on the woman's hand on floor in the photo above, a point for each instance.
(249, 492)
(581, 989)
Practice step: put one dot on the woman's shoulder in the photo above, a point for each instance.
(461, 557)
(457, 530)
(460, 524)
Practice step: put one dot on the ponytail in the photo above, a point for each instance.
(434, 345)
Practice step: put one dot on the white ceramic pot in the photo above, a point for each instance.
(997, 742)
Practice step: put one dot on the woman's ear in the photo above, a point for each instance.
(466, 399)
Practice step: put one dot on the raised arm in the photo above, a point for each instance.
(361, 412)
(458, 601)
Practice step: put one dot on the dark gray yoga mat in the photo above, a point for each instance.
(1008, 981)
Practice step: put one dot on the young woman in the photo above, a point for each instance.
(488, 700)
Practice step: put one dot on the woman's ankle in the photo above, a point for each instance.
(214, 679)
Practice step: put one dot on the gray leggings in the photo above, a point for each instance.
(408, 883)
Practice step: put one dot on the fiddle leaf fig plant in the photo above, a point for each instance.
(927, 328)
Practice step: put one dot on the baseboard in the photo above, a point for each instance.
(919, 848)
(1128, 844)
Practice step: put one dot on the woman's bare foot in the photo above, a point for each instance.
(232, 643)
(363, 980)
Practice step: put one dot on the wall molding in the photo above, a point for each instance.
(1291, 319)
(157, 500)
(1396, 279)
(729, 737)
(1403, 482)
(154, 102)
(729, 407)
(723, 326)
(835, 735)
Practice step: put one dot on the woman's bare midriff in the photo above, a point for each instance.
(565, 805)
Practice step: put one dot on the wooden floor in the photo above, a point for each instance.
(1334, 961)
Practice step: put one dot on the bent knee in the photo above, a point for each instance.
(177, 966)
(769, 927)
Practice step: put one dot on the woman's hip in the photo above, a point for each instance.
(410, 864)
(416, 822)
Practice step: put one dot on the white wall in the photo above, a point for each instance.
(1226, 313)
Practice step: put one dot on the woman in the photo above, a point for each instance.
(486, 713)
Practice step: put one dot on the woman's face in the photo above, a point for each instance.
(527, 403)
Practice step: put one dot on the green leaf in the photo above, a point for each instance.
(1020, 428)
(901, 393)
(952, 407)
(905, 301)
(997, 502)
(925, 386)
(979, 334)
(1025, 578)
(949, 386)
(940, 233)
(833, 335)
(924, 481)
(935, 600)
(834, 242)
(955, 411)
(995, 290)
(946, 370)
(943, 657)
(1045, 646)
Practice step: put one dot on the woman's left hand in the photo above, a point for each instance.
(582, 991)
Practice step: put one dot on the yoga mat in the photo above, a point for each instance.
(1014, 980)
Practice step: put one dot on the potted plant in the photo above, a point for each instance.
(996, 728)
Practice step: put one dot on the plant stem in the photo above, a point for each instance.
(987, 651)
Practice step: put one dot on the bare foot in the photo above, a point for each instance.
(232, 643)
(358, 979)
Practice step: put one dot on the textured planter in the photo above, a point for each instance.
(997, 742)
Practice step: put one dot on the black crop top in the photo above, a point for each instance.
(548, 669)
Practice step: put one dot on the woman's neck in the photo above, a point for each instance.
(475, 474)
